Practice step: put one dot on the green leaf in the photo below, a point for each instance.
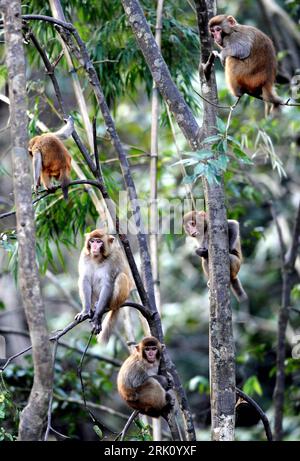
(187, 161)
(188, 179)
(201, 154)
(239, 153)
(221, 125)
(252, 386)
(199, 169)
(98, 431)
(212, 139)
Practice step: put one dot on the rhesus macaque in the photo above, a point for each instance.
(249, 57)
(139, 383)
(50, 158)
(104, 281)
(195, 224)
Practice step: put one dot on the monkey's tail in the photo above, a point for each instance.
(64, 186)
(108, 325)
(238, 290)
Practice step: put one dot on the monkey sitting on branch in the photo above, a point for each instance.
(195, 224)
(249, 58)
(104, 281)
(139, 383)
(50, 158)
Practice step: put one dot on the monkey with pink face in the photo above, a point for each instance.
(104, 281)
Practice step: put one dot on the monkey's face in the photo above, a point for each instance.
(216, 32)
(191, 228)
(151, 353)
(96, 246)
(220, 27)
(194, 223)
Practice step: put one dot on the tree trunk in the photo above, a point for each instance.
(221, 341)
(222, 360)
(34, 415)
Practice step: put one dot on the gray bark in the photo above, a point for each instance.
(221, 341)
(222, 360)
(33, 416)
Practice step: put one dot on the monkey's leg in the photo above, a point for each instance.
(64, 180)
(102, 306)
(163, 381)
(46, 180)
(236, 286)
(203, 252)
(85, 293)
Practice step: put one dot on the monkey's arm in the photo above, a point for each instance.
(102, 305)
(165, 382)
(37, 168)
(233, 236)
(85, 293)
(66, 131)
(240, 49)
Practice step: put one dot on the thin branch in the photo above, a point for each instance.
(51, 397)
(261, 413)
(100, 357)
(125, 429)
(96, 406)
(287, 269)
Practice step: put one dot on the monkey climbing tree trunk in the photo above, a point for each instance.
(33, 416)
(221, 338)
(221, 341)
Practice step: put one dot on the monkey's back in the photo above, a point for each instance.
(55, 156)
(251, 74)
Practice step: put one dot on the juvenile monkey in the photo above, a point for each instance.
(104, 281)
(249, 58)
(139, 383)
(50, 158)
(195, 224)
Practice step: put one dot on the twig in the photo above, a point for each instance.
(261, 413)
(53, 338)
(96, 406)
(100, 357)
(125, 429)
(95, 420)
(51, 397)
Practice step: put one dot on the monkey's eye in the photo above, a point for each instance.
(149, 348)
(94, 240)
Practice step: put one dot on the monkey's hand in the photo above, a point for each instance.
(80, 316)
(203, 252)
(170, 381)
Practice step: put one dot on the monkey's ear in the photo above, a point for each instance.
(163, 346)
(231, 21)
(137, 347)
(111, 239)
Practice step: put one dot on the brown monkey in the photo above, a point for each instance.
(139, 383)
(104, 281)
(249, 57)
(195, 224)
(50, 158)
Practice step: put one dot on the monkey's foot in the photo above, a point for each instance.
(96, 326)
(203, 252)
(80, 316)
